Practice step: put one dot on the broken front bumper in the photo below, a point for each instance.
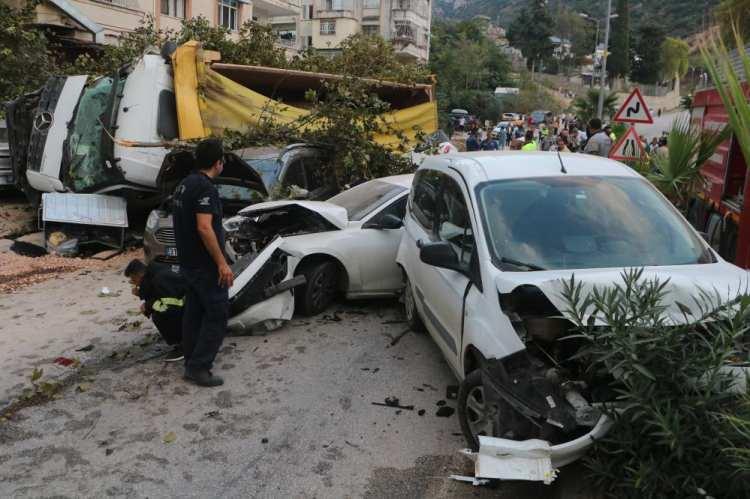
(534, 460)
(262, 296)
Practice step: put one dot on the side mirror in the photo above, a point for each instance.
(441, 255)
(387, 221)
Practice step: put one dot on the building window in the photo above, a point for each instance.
(372, 4)
(404, 4)
(328, 27)
(334, 4)
(307, 12)
(370, 30)
(174, 8)
(228, 14)
(404, 29)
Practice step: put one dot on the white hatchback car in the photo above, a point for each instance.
(489, 238)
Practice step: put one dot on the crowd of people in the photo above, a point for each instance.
(563, 133)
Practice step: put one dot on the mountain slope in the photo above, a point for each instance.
(679, 17)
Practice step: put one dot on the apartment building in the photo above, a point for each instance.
(299, 24)
(324, 24)
(83, 22)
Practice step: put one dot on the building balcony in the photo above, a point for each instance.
(272, 8)
(334, 8)
(419, 8)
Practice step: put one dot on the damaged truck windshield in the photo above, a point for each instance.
(89, 145)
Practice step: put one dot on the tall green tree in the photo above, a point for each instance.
(647, 65)
(530, 32)
(618, 62)
(733, 13)
(23, 50)
(674, 58)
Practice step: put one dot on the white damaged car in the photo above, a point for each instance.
(488, 240)
(301, 254)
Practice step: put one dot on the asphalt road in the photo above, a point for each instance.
(294, 419)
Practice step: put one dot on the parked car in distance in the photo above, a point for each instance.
(488, 240)
(250, 176)
(539, 117)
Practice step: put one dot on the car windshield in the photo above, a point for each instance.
(363, 199)
(268, 168)
(572, 222)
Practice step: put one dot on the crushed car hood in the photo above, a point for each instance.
(720, 281)
(333, 213)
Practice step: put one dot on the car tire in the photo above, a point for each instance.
(320, 289)
(473, 414)
(413, 320)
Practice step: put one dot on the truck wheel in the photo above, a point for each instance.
(321, 287)
(474, 414)
(410, 308)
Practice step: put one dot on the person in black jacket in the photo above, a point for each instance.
(162, 291)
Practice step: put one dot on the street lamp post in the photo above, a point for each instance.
(600, 105)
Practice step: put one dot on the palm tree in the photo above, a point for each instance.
(586, 106)
(677, 173)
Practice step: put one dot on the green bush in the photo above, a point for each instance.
(678, 431)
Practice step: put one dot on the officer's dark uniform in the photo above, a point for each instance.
(163, 290)
(206, 309)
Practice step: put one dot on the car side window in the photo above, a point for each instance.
(424, 197)
(454, 223)
(314, 170)
(295, 175)
(397, 209)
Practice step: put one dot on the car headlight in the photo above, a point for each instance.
(233, 223)
(153, 220)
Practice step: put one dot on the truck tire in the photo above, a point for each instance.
(321, 288)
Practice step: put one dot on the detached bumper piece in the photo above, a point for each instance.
(504, 459)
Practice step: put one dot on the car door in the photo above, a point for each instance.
(430, 282)
(446, 288)
(378, 269)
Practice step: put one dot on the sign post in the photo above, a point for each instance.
(633, 110)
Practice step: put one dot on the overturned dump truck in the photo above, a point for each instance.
(110, 135)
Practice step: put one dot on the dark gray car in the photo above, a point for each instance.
(251, 175)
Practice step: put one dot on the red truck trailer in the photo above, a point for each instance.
(722, 208)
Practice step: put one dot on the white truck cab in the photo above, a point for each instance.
(61, 134)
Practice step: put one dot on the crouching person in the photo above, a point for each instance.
(162, 291)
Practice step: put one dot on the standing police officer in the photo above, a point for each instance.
(200, 242)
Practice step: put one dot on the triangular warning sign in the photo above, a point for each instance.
(634, 109)
(628, 147)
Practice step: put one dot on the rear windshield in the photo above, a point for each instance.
(363, 199)
(585, 222)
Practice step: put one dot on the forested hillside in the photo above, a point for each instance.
(678, 17)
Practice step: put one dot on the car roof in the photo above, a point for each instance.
(493, 165)
(402, 180)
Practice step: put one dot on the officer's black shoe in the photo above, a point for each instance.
(202, 377)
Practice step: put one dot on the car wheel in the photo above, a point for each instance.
(410, 308)
(320, 290)
(474, 414)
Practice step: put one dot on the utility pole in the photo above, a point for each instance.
(600, 106)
